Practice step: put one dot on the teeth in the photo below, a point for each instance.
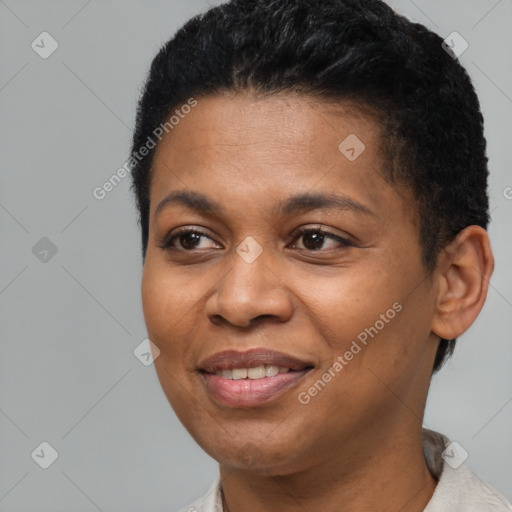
(239, 373)
(271, 371)
(227, 374)
(257, 372)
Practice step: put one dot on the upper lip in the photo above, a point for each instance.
(229, 359)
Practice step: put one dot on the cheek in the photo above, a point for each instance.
(155, 303)
(165, 307)
(344, 305)
(165, 303)
(166, 293)
(371, 325)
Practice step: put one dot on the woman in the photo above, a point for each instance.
(311, 182)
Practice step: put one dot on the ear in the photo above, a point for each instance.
(463, 272)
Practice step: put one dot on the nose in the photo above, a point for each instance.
(249, 293)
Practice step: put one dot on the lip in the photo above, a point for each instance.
(251, 392)
(229, 359)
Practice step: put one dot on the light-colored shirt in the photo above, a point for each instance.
(458, 488)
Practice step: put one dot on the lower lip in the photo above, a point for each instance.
(250, 392)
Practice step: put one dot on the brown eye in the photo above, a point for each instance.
(186, 240)
(315, 239)
(189, 240)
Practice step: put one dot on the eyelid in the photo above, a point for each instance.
(165, 242)
(346, 240)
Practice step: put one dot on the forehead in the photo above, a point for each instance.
(264, 147)
(287, 121)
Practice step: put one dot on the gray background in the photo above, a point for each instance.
(69, 325)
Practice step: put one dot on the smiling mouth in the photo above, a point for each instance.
(251, 378)
(254, 373)
(250, 392)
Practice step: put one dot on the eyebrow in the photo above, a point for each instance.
(300, 203)
(315, 201)
(192, 200)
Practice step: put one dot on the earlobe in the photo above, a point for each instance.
(463, 271)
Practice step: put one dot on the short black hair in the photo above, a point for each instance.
(344, 50)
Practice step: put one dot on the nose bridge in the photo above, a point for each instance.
(250, 289)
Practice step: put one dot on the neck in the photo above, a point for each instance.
(388, 475)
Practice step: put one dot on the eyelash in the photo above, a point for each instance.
(167, 242)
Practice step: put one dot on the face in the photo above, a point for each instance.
(283, 283)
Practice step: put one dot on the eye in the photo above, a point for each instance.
(315, 239)
(185, 239)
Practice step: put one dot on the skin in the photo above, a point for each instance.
(357, 444)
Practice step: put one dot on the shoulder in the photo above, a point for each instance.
(459, 489)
